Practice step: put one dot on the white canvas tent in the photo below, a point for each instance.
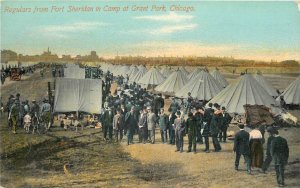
(220, 78)
(74, 71)
(203, 87)
(152, 77)
(291, 94)
(137, 76)
(246, 91)
(194, 74)
(166, 72)
(133, 71)
(73, 95)
(184, 71)
(173, 83)
(265, 84)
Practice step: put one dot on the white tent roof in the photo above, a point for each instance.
(173, 83)
(74, 71)
(152, 77)
(73, 95)
(222, 95)
(137, 76)
(220, 78)
(265, 84)
(246, 91)
(183, 70)
(203, 87)
(291, 94)
(133, 71)
(194, 74)
(166, 72)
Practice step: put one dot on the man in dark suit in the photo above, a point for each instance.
(268, 158)
(241, 147)
(208, 113)
(108, 123)
(280, 155)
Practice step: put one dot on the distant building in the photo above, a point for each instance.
(8, 55)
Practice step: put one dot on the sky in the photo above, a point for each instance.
(245, 30)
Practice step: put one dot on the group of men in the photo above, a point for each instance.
(22, 114)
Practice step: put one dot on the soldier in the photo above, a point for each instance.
(199, 121)
(191, 130)
(14, 115)
(163, 125)
(151, 123)
(280, 154)
(108, 123)
(46, 114)
(172, 118)
(189, 102)
(179, 126)
(131, 124)
(34, 113)
(226, 119)
(118, 123)
(208, 113)
(241, 147)
(268, 158)
(143, 128)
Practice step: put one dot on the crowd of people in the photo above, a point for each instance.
(6, 72)
(132, 110)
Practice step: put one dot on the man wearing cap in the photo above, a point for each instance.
(179, 126)
(268, 158)
(151, 122)
(163, 125)
(241, 147)
(226, 119)
(131, 124)
(14, 115)
(174, 105)
(191, 130)
(280, 155)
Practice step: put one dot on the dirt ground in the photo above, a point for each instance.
(38, 160)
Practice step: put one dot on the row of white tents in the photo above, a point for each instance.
(212, 87)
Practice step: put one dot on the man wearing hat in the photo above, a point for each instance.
(191, 130)
(35, 114)
(163, 125)
(158, 103)
(151, 122)
(131, 123)
(226, 119)
(108, 123)
(241, 147)
(118, 123)
(216, 121)
(46, 114)
(172, 118)
(199, 122)
(179, 126)
(268, 158)
(208, 113)
(280, 155)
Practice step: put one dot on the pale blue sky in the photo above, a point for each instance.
(254, 30)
